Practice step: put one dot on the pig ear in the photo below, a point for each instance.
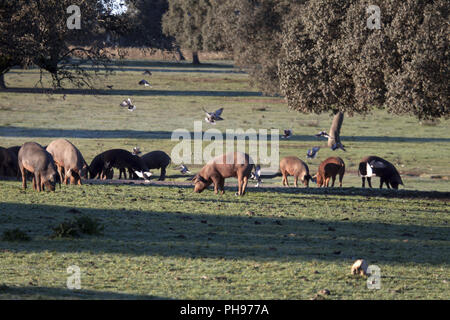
(194, 178)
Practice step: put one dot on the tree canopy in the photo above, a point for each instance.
(323, 56)
(331, 60)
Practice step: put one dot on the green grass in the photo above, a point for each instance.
(165, 242)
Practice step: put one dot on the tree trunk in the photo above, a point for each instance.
(2, 81)
(195, 59)
(335, 129)
(180, 54)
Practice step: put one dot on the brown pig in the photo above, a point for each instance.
(35, 159)
(329, 168)
(232, 164)
(293, 166)
(68, 160)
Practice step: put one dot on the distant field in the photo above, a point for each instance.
(167, 242)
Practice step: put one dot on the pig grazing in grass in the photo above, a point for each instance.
(120, 159)
(8, 163)
(35, 159)
(376, 166)
(157, 160)
(232, 164)
(330, 168)
(293, 166)
(69, 161)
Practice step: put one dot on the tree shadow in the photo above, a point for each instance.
(38, 292)
(13, 131)
(336, 191)
(186, 234)
(128, 92)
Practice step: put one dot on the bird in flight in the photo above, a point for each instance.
(311, 153)
(144, 83)
(110, 86)
(183, 169)
(322, 134)
(147, 72)
(287, 134)
(212, 117)
(136, 151)
(129, 104)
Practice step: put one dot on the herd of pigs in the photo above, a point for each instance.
(61, 161)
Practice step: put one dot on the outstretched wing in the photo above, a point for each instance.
(218, 113)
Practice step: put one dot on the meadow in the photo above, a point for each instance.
(162, 241)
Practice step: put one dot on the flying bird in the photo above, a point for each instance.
(287, 134)
(147, 72)
(183, 169)
(129, 104)
(212, 117)
(144, 83)
(311, 154)
(136, 151)
(110, 86)
(322, 134)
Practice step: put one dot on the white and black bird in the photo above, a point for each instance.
(128, 103)
(311, 153)
(145, 83)
(212, 117)
(183, 169)
(256, 175)
(287, 134)
(110, 86)
(147, 72)
(136, 151)
(323, 134)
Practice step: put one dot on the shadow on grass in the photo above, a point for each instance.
(221, 235)
(135, 93)
(336, 191)
(12, 131)
(36, 292)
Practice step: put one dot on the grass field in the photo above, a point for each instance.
(165, 242)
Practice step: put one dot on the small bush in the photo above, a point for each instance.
(66, 229)
(89, 226)
(77, 226)
(15, 235)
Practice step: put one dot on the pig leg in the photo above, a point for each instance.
(216, 181)
(381, 183)
(296, 181)
(222, 186)
(285, 181)
(162, 176)
(60, 172)
(24, 177)
(244, 184)
(37, 182)
(369, 181)
(364, 182)
(341, 176)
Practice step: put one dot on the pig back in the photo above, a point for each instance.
(35, 158)
(156, 159)
(66, 154)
